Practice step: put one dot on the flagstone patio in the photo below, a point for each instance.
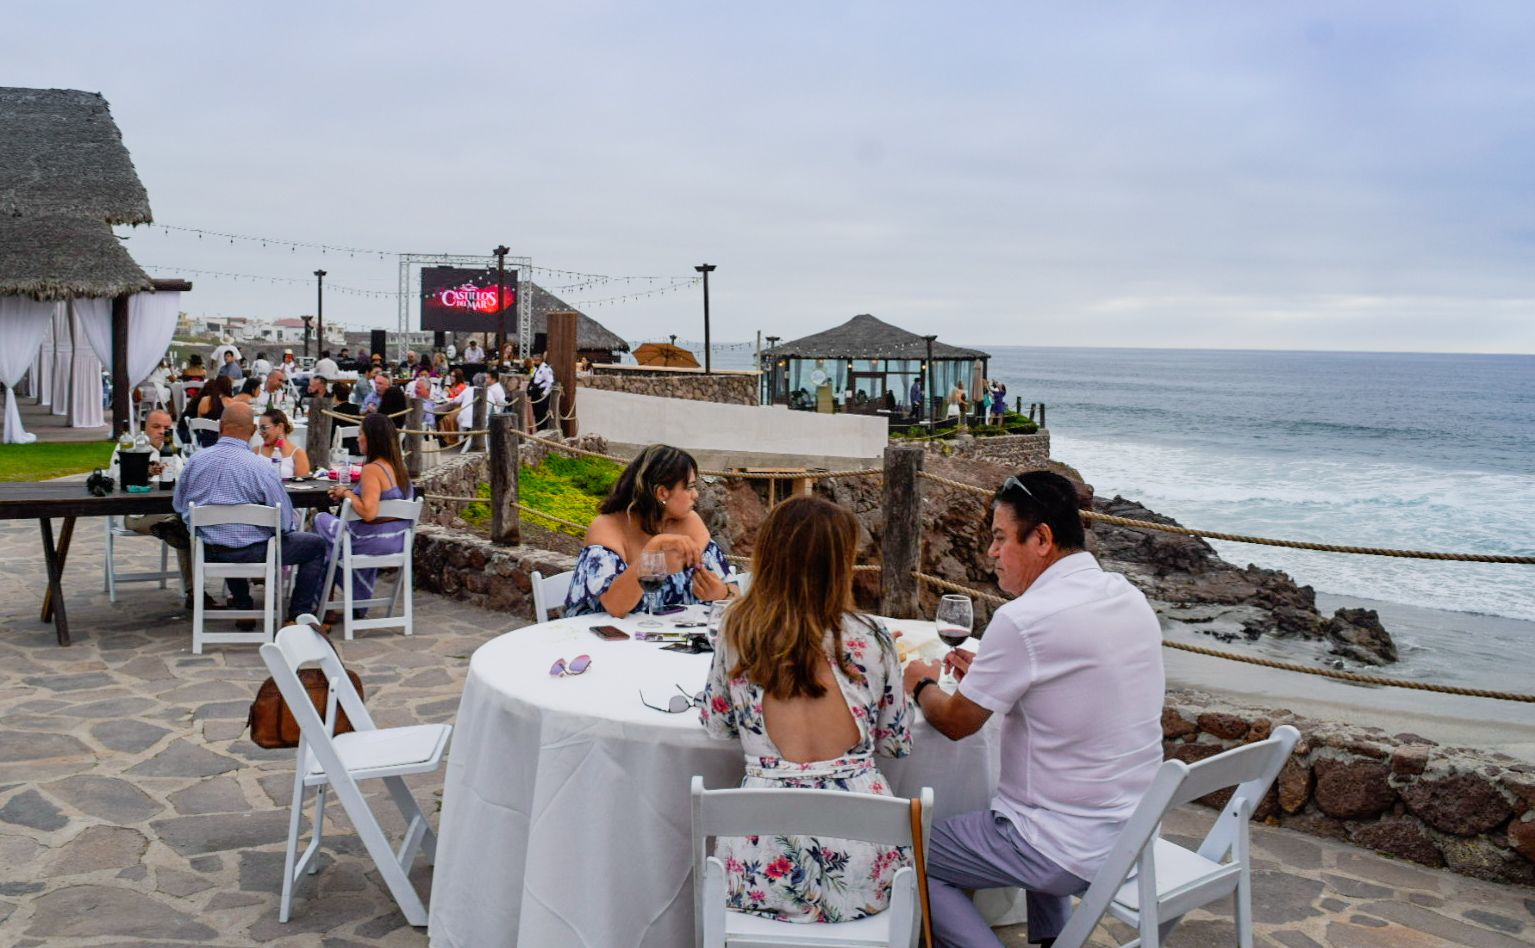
(133, 810)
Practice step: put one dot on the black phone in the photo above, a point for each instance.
(609, 633)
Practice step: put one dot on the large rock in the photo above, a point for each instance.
(1357, 634)
(1294, 785)
(1404, 838)
(1462, 804)
(1521, 836)
(1353, 790)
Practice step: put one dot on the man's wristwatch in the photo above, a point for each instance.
(916, 693)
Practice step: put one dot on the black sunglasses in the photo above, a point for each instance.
(678, 703)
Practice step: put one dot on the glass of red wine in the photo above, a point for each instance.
(652, 577)
(955, 619)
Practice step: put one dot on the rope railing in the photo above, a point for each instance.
(1261, 541)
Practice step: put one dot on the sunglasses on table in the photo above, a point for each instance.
(577, 665)
(678, 703)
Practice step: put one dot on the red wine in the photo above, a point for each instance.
(652, 584)
(953, 635)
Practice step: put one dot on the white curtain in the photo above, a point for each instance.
(42, 368)
(85, 388)
(22, 325)
(63, 356)
(151, 324)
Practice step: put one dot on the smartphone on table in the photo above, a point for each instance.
(609, 633)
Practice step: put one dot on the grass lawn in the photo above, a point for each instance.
(571, 488)
(36, 462)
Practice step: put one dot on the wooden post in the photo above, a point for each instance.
(122, 392)
(481, 419)
(1041, 415)
(318, 445)
(517, 407)
(901, 547)
(505, 528)
(561, 356)
(413, 442)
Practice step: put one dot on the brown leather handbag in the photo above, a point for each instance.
(273, 725)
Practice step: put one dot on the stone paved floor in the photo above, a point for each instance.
(134, 811)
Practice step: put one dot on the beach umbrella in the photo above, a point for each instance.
(665, 355)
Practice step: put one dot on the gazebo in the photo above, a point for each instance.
(853, 366)
(69, 291)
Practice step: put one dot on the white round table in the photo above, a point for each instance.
(566, 812)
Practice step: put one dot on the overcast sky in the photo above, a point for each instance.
(1299, 176)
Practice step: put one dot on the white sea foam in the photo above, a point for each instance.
(1324, 499)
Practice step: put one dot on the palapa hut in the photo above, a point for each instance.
(594, 341)
(855, 364)
(68, 288)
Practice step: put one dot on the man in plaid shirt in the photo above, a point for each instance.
(229, 472)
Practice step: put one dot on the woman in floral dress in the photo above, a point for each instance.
(650, 508)
(813, 692)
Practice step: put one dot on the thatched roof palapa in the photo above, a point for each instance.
(864, 337)
(590, 334)
(61, 257)
(61, 153)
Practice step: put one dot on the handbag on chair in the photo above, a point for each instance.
(272, 725)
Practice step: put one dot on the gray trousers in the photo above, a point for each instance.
(982, 850)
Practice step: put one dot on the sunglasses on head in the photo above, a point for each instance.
(1012, 482)
(678, 703)
(577, 665)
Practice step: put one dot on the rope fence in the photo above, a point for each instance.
(1261, 541)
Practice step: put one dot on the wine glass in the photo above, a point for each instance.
(652, 576)
(955, 618)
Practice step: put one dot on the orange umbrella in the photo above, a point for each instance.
(665, 355)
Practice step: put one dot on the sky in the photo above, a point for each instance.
(1189, 174)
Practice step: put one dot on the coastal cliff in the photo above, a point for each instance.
(1185, 579)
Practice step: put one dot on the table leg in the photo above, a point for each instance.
(53, 601)
(66, 533)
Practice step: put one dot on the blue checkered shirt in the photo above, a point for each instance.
(229, 472)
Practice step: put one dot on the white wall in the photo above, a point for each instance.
(646, 419)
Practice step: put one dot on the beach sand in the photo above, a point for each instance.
(1451, 648)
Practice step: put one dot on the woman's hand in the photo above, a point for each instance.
(709, 587)
(681, 551)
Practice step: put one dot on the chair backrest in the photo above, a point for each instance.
(299, 645)
(341, 433)
(255, 515)
(783, 812)
(549, 593)
(1250, 770)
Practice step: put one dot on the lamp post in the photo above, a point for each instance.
(927, 374)
(501, 251)
(706, 269)
(308, 319)
(772, 342)
(319, 309)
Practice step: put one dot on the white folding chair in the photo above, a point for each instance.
(407, 513)
(1150, 883)
(834, 813)
(269, 570)
(549, 593)
(338, 435)
(327, 760)
(111, 577)
(149, 400)
(179, 397)
(196, 425)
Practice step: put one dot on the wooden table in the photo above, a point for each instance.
(70, 499)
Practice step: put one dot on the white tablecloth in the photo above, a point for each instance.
(566, 813)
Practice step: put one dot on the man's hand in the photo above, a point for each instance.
(916, 670)
(958, 661)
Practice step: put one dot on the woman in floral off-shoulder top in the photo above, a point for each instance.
(813, 691)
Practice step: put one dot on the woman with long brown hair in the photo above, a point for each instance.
(215, 395)
(813, 691)
(383, 478)
(649, 510)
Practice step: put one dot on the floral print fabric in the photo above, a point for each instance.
(801, 878)
(598, 566)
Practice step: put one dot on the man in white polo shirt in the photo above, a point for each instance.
(1074, 665)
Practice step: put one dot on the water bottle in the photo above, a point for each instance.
(125, 440)
(344, 478)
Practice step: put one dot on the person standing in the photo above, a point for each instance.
(540, 389)
(916, 399)
(231, 367)
(229, 472)
(261, 366)
(473, 353)
(1074, 666)
(326, 367)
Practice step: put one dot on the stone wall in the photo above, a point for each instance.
(457, 477)
(1029, 452)
(1471, 811)
(724, 389)
(470, 568)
